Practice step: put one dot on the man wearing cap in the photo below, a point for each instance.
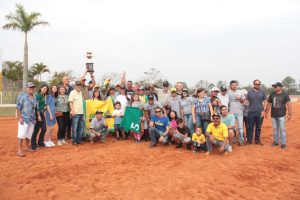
(214, 100)
(217, 135)
(163, 93)
(236, 100)
(223, 96)
(129, 88)
(76, 106)
(150, 107)
(25, 106)
(98, 127)
(174, 102)
(281, 109)
(256, 112)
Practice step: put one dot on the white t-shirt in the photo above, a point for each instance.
(122, 99)
(224, 99)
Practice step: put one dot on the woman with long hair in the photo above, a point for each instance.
(40, 96)
(50, 115)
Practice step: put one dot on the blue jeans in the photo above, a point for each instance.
(254, 119)
(155, 135)
(77, 128)
(202, 123)
(188, 120)
(239, 117)
(279, 123)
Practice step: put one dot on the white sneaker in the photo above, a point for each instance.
(229, 149)
(59, 143)
(47, 144)
(64, 142)
(51, 143)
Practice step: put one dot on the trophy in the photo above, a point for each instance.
(89, 65)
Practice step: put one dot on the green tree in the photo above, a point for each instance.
(12, 70)
(38, 69)
(25, 22)
(57, 77)
(289, 85)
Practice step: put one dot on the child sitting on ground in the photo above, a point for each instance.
(198, 139)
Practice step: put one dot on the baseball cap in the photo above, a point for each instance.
(77, 83)
(185, 90)
(151, 96)
(215, 89)
(223, 88)
(30, 84)
(216, 115)
(112, 87)
(173, 89)
(97, 86)
(118, 85)
(141, 88)
(98, 112)
(166, 84)
(277, 84)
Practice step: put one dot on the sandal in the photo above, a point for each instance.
(20, 154)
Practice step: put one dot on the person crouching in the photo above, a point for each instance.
(98, 127)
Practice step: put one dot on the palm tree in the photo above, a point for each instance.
(25, 22)
(12, 71)
(38, 69)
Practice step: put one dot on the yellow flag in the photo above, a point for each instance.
(107, 107)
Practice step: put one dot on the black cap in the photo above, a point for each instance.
(223, 88)
(98, 112)
(166, 83)
(216, 115)
(151, 96)
(277, 84)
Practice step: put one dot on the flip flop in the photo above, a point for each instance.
(20, 154)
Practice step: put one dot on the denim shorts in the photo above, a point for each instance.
(117, 127)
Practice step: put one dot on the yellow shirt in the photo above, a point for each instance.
(198, 138)
(220, 132)
(76, 98)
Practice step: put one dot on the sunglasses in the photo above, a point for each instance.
(157, 111)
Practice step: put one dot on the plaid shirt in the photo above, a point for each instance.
(26, 106)
(202, 106)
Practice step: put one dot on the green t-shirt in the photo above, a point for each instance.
(40, 99)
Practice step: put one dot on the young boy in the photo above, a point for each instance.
(182, 135)
(118, 115)
(198, 139)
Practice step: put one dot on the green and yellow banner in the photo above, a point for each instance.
(107, 107)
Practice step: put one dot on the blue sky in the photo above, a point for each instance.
(185, 40)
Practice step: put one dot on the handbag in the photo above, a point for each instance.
(58, 114)
(205, 116)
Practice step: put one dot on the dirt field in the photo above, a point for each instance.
(124, 170)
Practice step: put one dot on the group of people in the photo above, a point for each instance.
(170, 115)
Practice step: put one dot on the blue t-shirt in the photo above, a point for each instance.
(160, 123)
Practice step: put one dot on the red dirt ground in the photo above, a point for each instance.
(124, 170)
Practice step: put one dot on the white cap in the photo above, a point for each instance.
(215, 89)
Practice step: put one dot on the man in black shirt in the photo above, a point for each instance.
(278, 101)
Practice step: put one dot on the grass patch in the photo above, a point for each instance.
(7, 112)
